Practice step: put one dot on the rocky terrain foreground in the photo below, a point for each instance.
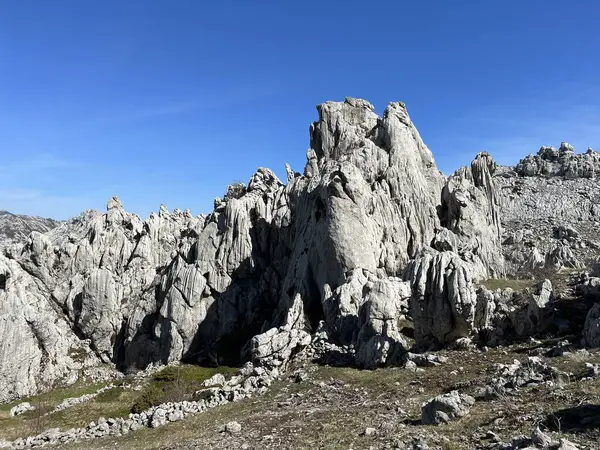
(368, 302)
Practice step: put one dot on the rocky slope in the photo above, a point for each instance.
(550, 210)
(371, 234)
(15, 228)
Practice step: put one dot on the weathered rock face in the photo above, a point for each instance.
(443, 298)
(67, 296)
(379, 341)
(37, 346)
(562, 162)
(550, 211)
(374, 215)
(591, 329)
(254, 279)
(505, 313)
(471, 210)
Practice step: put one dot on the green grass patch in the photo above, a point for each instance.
(55, 396)
(190, 373)
(109, 395)
(175, 384)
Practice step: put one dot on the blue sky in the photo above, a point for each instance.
(168, 102)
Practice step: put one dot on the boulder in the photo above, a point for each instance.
(233, 427)
(591, 328)
(21, 408)
(445, 408)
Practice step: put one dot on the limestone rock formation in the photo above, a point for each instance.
(37, 345)
(443, 298)
(369, 234)
(445, 408)
(591, 329)
(504, 313)
(254, 279)
(562, 162)
(379, 341)
(550, 210)
(67, 295)
(470, 208)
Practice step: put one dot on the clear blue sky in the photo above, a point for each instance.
(169, 101)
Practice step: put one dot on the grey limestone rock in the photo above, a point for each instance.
(21, 408)
(562, 162)
(253, 279)
(591, 328)
(470, 208)
(14, 228)
(445, 408)
(443, 298)
(37, 345)
(508, 313)
(233, 427)
(537, 314)
(379, 341)
(159, 418)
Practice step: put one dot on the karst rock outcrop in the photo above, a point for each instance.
(370, 233)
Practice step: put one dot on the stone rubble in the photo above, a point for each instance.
(249, 381)
(509, 377)
(68, 402)
(21, 408)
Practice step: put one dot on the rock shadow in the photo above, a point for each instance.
(575, 419)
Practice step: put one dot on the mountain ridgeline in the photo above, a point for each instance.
(16, 227)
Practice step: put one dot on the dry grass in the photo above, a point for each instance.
(331, 411)
(33, 422)
(334, 406)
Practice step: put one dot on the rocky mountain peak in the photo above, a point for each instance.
(370, 233)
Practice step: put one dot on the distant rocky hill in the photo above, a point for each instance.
(550, 210)
(16, 227)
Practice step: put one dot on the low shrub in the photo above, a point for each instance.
(175, 384)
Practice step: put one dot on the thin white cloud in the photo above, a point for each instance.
(40, 203)
(33, 164)
(140, 114)
(122, 114)
(44, 203)
(512, 132)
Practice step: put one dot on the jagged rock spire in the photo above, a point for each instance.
(270, 262)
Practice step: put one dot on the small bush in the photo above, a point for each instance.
(152, 395)
(110, 395)
(451, 446)
(175, 384)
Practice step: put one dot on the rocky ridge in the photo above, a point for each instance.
(15, 228)
(253, 279)
(369, 235)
